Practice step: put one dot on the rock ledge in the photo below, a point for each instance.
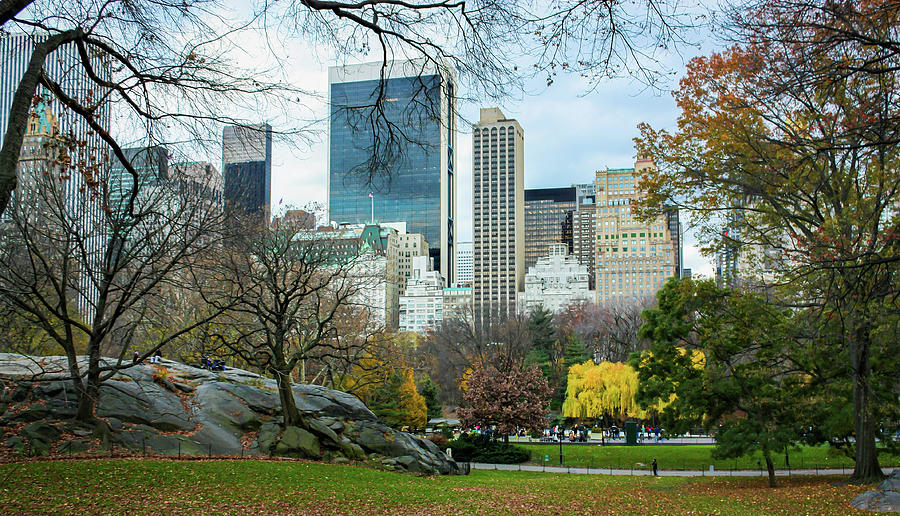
(171, 408)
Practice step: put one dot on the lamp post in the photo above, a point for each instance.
(559, 436)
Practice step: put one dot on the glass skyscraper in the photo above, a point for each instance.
(151, 165)
(548, 221)
(247, 166)
(411, 181)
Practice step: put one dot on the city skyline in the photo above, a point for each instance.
(571, 136)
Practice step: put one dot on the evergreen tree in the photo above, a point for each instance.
(397, 402)
(429, 391)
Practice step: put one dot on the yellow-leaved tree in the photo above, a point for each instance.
(607, 388)
(412, 404)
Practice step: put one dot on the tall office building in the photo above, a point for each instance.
(247, 169)
(416, 183)
(202, 180)
(499, 215)
(464, 274)
(548, 221)
(584, 229)
(634, 258)
(151, 165)
(64, 67)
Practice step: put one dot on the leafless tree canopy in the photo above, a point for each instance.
(286, 293)
(92, 284)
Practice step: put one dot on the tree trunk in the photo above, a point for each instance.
(89, 392)
(866, 469)
(289, 408)
(87, 400)
(770, 467)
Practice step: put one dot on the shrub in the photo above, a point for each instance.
(160, 375)
(481, 448)
(439, 440)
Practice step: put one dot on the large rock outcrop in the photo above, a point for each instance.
(884, 499)
(171, 408)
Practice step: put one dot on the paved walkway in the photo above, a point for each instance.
(665, 473)
(676, 441)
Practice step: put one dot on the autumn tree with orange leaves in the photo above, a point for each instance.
(786, 149)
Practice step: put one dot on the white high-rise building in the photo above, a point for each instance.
(555, 282)
(464, 275)
(409, 246)
(498, 164)
(422, 307)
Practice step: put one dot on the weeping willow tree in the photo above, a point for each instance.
(604, 389)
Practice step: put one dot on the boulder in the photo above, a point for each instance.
(225, 409)
(259, 399)
(268, 434)
(296, 441)
(877, 501)
(40, 431)
(884, 499)
(145, 403)
(892, 482)
(322, 429)
(16, 443)
(36, 411)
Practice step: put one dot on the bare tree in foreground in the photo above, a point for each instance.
(90, 282)
(286, 290)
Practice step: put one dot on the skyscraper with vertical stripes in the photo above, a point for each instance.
(64, 67)
(498, 222)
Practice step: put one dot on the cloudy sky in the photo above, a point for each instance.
(569, 134)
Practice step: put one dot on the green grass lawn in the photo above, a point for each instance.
(127, 486)
(684, 457)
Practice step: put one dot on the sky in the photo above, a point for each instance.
(569, 134)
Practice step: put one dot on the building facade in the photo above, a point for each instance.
(548, 221)
(152, 167)
(464, 275)
(584, 230)
(202, 181)
(555, 282)
(89, 154)
(409, 247)
(301, 218)
(634, 258)
(499, 216)
(427, 304)
(422, 306)
(247, 169)
(396, 162)
(374, 250)
(458, 303)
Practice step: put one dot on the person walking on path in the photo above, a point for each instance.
(655, 473)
